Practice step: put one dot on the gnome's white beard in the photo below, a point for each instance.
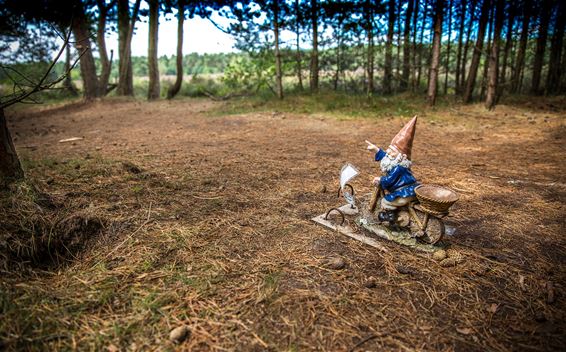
(388, 163)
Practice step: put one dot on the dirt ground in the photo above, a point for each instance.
(208, 225)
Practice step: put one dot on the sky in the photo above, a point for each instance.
(200, 36)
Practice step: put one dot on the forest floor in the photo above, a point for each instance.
(206, 215)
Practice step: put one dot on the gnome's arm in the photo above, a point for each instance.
(379, 155)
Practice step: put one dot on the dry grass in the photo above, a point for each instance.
(214, 232)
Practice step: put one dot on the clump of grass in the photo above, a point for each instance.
(38, 230)
(338, 104)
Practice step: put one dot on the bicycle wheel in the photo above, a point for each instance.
(434, 230)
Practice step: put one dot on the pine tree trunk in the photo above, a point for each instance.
(10, 167)
(555, 65)
(435, 60)
(508, 44)
(466, 48)
(338, 56)
(483, 85)
(314, 55)
(125, 75)
(397, 74)
(388, 66)
(278, 73)
(407, 47)
(105, 63)
(541, 46)
(370, 48)
(176, 87)
(471, 81)
(68, 81)
(421, 41)
(298, 39)
(81, 31)
(125, 33)
(520, 60)
(448, 47)
(153, 90)
(460, 41)
(491, 95)
(414, 68)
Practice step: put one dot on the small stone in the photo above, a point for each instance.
(439, 255)
(370, 282)
(112, 348)
(179, 334)
(335, 263)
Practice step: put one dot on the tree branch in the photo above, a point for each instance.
(40, 85)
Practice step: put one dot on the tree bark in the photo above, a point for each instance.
(491, 95)
(338, 71)
(370, 50)
(10, 167)
(471, 81)
(406, 46)
(154, 87)
(508, 44)
(387, 74)
(555, 66)
(483, 85)
(68, 81)
(448, 46)
(460, 41)
(105, 63)
(125, 33)
(125, 75)
(421, 41)
(541, 46)
(81, 31)
(397, 74)
(176, 87)
(314, 54)
(278, 73)
(414, 68)
(435, 60)
(466, 48)
(298, 56)
(520, 60)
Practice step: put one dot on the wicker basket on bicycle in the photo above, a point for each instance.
(435, 200)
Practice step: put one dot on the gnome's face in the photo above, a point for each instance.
(393, 159)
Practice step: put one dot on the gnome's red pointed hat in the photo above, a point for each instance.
(403, 141)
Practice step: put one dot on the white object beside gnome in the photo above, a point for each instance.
(395, 163)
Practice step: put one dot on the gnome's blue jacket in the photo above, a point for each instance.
(399, 181)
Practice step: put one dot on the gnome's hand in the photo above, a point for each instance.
(371, 146)
(376, 181)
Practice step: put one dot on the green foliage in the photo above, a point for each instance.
(330, 103)
(245, 73)
(199, 86)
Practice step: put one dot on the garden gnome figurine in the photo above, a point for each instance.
(397, 181)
